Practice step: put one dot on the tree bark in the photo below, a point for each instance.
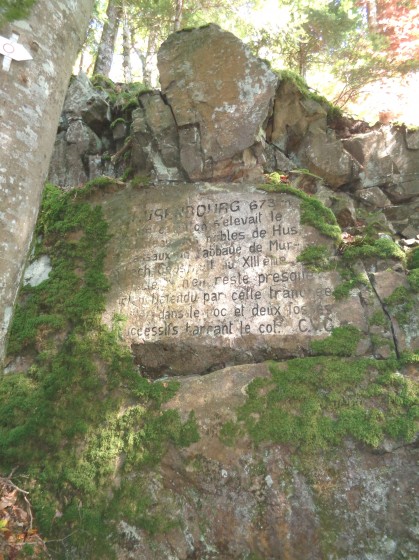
(31, 99)
(126, 48)
(107, 41)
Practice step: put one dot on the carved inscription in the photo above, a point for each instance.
(222, 265)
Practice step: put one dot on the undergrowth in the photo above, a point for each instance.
(82, 418)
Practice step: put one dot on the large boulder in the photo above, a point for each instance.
(220, 95)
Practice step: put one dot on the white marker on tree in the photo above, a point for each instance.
(11, 50)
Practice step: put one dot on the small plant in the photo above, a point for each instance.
(140, 181)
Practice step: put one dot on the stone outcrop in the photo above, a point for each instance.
(212, 270)
(81, 137)
(220, 95)
(223, 115)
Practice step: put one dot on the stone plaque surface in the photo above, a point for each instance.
(208, 275)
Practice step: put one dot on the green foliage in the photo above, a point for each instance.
(341, 342)
(229, 433)
(379, 319)
(11, 10)
(127, 174)
(313, 404)
(316, 258)
(382, 248)
(82, 415)
(140, 181)
(313, 211)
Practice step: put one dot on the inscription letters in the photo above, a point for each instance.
(224, 266)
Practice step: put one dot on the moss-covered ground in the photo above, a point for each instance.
(78, 423)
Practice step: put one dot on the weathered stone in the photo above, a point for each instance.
(412, 139)
(70, 163)
(387, 162)
(373, 198)
(324, 155)
(276, 160)
(403, 216)
(212, 273)
(402, 190)
(155, 139)
(220, 95)
(67, 168)
(293, 117)
(86, 140)
(240, 501)
(83, 100)
(341, 204)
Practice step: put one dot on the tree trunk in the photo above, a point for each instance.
(32, 95)
(107, 41)
(126, 49)
(178, 15)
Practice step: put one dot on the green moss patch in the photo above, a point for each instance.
(382, 248)
(316, 258)
(341, 342)
(313, 212)
(82, 418)
(313, 404)
(401, 304)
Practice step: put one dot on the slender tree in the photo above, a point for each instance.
(126, 46)
(32, 95)
(106, 47)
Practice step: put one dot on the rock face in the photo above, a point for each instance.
(213, 273)
(220, 95)
(246, 502)
(215, 278)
